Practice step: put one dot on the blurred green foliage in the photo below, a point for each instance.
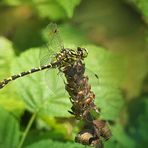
(113, 31)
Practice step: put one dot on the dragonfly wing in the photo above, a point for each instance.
(94, 80)
(54, 44)
(46, 56)
(54, 82)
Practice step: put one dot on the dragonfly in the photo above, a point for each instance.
(53, 55)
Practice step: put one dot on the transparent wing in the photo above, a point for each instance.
(93, 80)
(55, 82)
(54, 44)
(46, 56)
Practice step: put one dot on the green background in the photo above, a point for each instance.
(115, 32)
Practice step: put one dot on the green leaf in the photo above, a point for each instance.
(109, 68)
(69, 6)
(121, 137)
(142, 5)
(6, 55)
(56, 9)
(9, 98)
(34, 89)
(50, 9)
(9, 130)
(137, 124)
(54, 144)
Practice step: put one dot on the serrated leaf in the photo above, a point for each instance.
(6, 54)
(109, 68)
(9, 99)
(34, 90)
(54, 144)
(9, 130)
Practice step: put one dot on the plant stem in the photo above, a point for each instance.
(27, 130)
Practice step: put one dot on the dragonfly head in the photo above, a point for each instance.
(82, 52)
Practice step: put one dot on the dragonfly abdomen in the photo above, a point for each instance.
(22, 74)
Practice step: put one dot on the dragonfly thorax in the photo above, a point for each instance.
(79, 53)
(67, 54)
(67, 57)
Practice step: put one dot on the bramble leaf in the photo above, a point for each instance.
(8, 96)
(34, 90)
(110, 69)
(9, 130)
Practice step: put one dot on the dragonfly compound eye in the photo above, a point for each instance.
(85, 52)
(82, 51)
